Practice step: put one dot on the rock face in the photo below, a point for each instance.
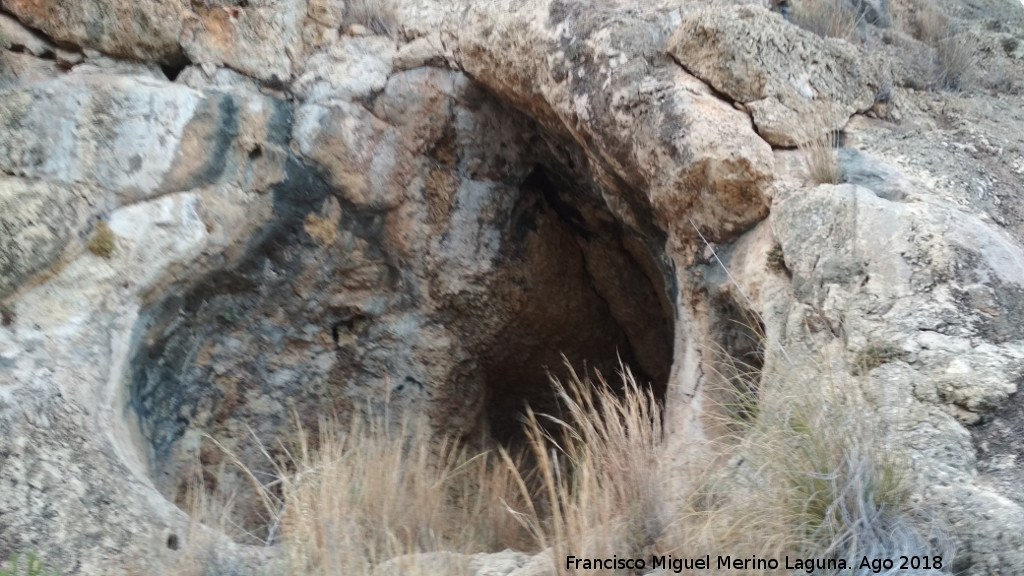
(309, 222)
(145, 31)
(39, 219)
(785, 77)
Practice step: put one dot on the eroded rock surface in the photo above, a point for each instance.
(785, 77)
(312, 219)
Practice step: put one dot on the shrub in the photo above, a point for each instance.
(103, 242)
(827, 18)
(955, 60)
(953, 57)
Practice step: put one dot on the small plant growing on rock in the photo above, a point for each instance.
(819, 150)
(103, 242)
(33, 567)
(7, 315)
(776, 260)
(827, 18)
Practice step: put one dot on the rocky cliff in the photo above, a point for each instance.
(220, 217)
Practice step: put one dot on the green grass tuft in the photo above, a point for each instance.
(33, 567)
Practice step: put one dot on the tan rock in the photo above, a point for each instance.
(254, 40)
(327, 12)
(784, 75)
(142, 30)
(645, 123)
(17, 69)
(419, 52)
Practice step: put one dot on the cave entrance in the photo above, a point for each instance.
(578, 288)
(456, 306)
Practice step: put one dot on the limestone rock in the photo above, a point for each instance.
(17, 69)
(136, 136)
(39, 221)
(506, 563)
(258, 40)
(20, 39)
(144, 30)
(419, 52)
(68, 58)
(327, 12)
(353, 68)
(784, 75)
(312, 223)
(645, 123)
(918, 289)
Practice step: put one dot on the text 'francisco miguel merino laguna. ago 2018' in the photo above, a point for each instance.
(808, 565)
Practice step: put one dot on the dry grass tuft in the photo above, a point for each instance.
(602, 488)
(816, 474)
(818, 144)
(375, 15)
(376, 492)
(928, 24)
(955, 61)
(827, 18)
(954, 57)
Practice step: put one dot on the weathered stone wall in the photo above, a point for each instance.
(310, 217)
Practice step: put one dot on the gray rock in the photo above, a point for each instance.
(39, 221)
(17, 38)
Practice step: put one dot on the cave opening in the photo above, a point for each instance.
(459, 304)
(737, 358)
(585, 293)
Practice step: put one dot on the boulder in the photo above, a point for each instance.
(785, 76)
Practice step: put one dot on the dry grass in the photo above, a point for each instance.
(827, 18)
(375, 15)
(378, 491)
(928, 24)
(815, 475)
(819, 143)
(955, 61)
(954, 57)
(602, 489)
(803, 469)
